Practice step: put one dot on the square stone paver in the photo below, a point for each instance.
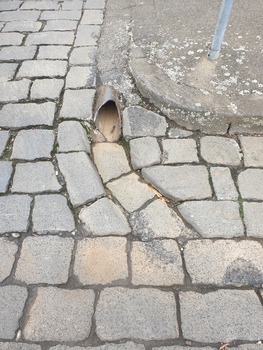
(87, 35)
(79, 77)
(253, 150)
(83, 55)
(250, 183)
(145, 151)
(77, 104)
(53, 52)
(46, 88)
(8, 250)
(72, 137)
(179, 151)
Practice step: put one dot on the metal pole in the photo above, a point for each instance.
(214, 49)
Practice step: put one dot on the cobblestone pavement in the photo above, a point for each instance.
(158, 246)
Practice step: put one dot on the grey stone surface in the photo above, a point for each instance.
(42, 68)
(253, 218)
(4, 136)
(87, 35)
(213, 219)
(14, 91)
(79, 77)
(19, 346)
(5, 171)
(108, 346)
(35, 177)
(130, 192)
(179, 151)
(60, 315)
(179, 347)
(83, 182)
(250, 183)
(224, 262)
(253, 150)
(94, 4)
(157, 220)
(110, 160)
(40, 5)
(29, 114)
(72, 137)
(17, 53)
(46, 88)
(226, 315)
(92, 17)
(223, 183)
(44, 260)
(101, 260)
(144, 151)
(7, 71)
(145, 314)
(220, 150)
(33, 144)
(11, 39)
(138, 122)
(104, 218)
(179, 182)
(62, 24)
(14, 213)
(10, 16)
(12, 301)
(50, 38)
(51, 214)
(156, 263)
(72, 5)
(70, 15)
(8, 250)
(9, 5)
(83, 55)
(22, 26)
(53, 52)
(175, 133)
(77, 104)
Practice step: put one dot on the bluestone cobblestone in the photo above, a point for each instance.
(4, 136)
(72, 137)
(250, 183)
(17, 53)
(42, 68)
(253, 150)
(79, 77)
(179, 151)
(50, 38)
(253, 212)
(223, 183)
(14, 91)
(8, 250)
(53, 52)
(77, 104)
(5, 171)
(144, 152)
(46, 88)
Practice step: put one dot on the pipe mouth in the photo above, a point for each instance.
(212, 55)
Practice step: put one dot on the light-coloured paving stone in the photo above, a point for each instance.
(77, 104)
(101, 260)
(253, 150)
(11, 39)
(108, 346)
(83, 182)
(60, 25)
(92, 17)
(53, 52)
(72, 137)
(50, 38)
(35, 177)
(213, 219)
(40, 5)
(175, 133)
(4, 136)
(8, 250)
(51, 214)
(94, 4)
(220, 150)
(19, 346)
(12, 301)
(226, 315)
(157, 220)
(33, 144)
(44, 260)
(130, 192)
(59, 15)
(7, 71)
(79, 77)
(139, 122)
(11, 16)
(145, 151)
(223, 183)
(104, 218)
(179, 151)
(156, 263)
(17, 53)
(72, 5)
(87, 35)
(145, 314)
(14, 91)
(224, 262)
(14, 213)
(46, 88)
(183, 182)
(5, 171)
(111, 160)
(60, 315)
(19, 115)
(9, 5)
(22, 26)
(42, 68)
(250, 183)
(83, 55)
(179, 347)
(253, 213)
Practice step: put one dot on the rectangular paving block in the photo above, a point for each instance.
(17, 53)
(5, 171)
(8, 250)
(14, 91)
(223, 183)
(11, 16)
(55, 15)
(253, 150)
(92, 17)
(7, 71)
(72, 136)
(253, 212)
(250, 183)
(144, 313)
(10, 5)
(62, 24)
(87, 35)
(53, 52)
(77, 104)
(144, 151)
(78, 77)
(11, 38)
(42, 68)
(94, 4)
(83, 55)
(22, 26)
(50, 38)
(19, 346)
(72, 5)
(179, 151)
(108, 346)
(40, 5)
(46, 88)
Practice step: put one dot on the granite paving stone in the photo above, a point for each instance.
(108, 346)
(130, 191)
(7, 71)
(17, 53)
(79, 77)
(175, 133)
(220, 150)
(183, 182)
(19, 346)
(253, 212)
(60, 315)
(51, 214)
(179, 151)
(83, 182)
(87, 35)
(223, 183)
(60, 25)
(42, 68)
(83, 55)
(72, 5)
(9, 5)
(44, 260)
(226, 315)
(14, 91)
(92, 17)
(253, 150)
(104, 218)
(4, 136)
(77, 104)
(101, 260)
(14, 213)
(144, 151)
(21, 115)
(110, 160)
(94, 4)
(157, 220)
(5, 171)
(250, 183)
(72, 136)
(11, 16)
(53, 52)
(22, 26)
(8, 250)
(213, 219)
(11, 38)
(139, 122)
(35, 177)
(144, 313)
(40, 5)
(58, 15)
(12, 301)
(224, 262)
(50, 38)
(46, 88)
(157, 263)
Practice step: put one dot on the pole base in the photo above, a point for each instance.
(212, 55)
